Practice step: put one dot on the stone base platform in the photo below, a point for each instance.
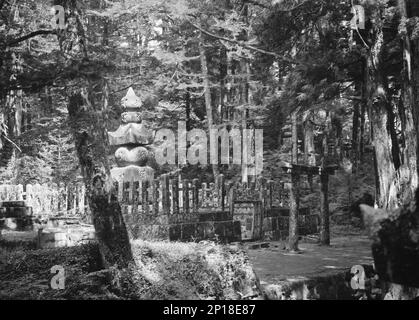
(223, 231)
(66, 236)
(206, 225)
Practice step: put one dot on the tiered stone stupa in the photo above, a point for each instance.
(134, 140)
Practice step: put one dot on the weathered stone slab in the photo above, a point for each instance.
(214, 216)
(237, 230)
(209, 230)
(229, 230)
(188, 231)
(219, 229)
(175, 232)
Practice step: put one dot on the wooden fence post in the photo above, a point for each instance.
(155, 196)
(144, 197)
(185, 187)
(165, 194)
(195, 195)
(174, 183)
(221, 191)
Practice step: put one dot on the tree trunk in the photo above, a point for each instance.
(364, 103)
(309, 149)
(244, 100)
(377, 103)
(410, 150)
(294, 134)
(92, 149)
(222, 80)
(397, 178)
(324, 209)
(294, 190)
(188, 110)
(355, 136)
(207, 95)
(294, 208)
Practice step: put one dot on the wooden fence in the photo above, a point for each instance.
(48, 199)
(162, 196)
(166, 195)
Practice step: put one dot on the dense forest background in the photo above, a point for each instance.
(347, 90)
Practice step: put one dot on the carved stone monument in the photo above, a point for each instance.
(134, 139)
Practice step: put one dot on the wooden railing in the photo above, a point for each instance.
(48, 199)
(168, 195)
(163, 196)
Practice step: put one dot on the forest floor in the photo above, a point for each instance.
(163, 271)
(204, 270)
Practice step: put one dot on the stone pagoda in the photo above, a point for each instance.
(133, 139)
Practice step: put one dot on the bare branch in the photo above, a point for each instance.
(30, 35)
(243, 44)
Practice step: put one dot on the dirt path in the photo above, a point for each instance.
(276, 267)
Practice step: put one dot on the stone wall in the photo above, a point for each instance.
(181, 227)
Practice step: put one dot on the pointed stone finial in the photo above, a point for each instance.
(131, 100)
(130, 92)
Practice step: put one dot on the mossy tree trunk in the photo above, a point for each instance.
(409, 110)
(92, 149)
(396, 163)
